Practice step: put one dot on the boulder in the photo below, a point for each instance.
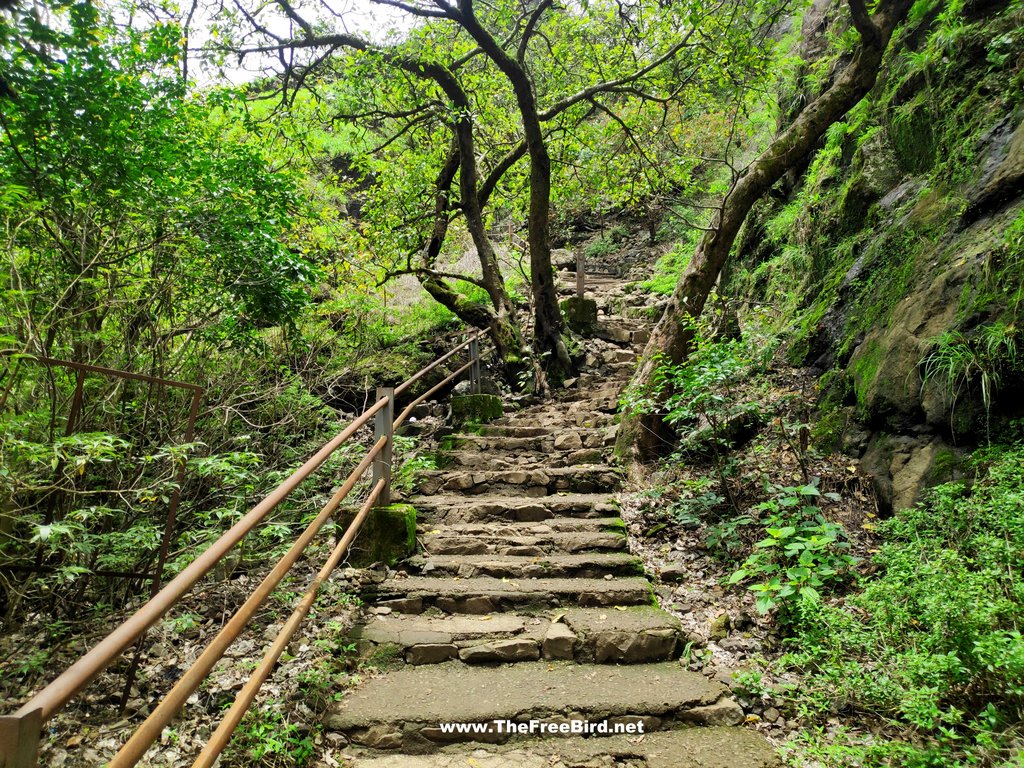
(476, 408)
(580, 314)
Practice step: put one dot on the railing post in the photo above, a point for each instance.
(383, 425)
(580, 276)
(474, 371)
(19, 740)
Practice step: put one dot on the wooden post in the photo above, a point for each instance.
(383, 425)
(19, 740)
(580, 277)
(474, 371)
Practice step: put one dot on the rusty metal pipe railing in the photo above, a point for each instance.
(409, 408)
(424, 371)
(19, 733)
(78, 675)
(245, 697)
(147, 733)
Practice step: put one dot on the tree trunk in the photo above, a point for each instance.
(548, 325)
(499, 320)
(643, 435)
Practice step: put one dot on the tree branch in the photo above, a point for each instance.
(528, 30)
(862, 22)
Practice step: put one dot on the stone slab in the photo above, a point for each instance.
(425, 696)
(684, 748)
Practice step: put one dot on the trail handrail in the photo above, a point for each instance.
(20, 732)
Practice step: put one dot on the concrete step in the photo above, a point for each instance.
(484, 594)
(450, 508)
(623, 635)
(525, 539)
(405, 708)
(590, 565)
(595, 478)
(708, 747)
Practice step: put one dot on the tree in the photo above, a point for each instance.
(134, 224)
(603, 49)
(641, 432)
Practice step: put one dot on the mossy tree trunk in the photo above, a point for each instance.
(643, 435)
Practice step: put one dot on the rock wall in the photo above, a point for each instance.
(896, 257)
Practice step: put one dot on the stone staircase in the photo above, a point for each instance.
(526, 605)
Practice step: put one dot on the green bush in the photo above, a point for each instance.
(802, 553)
(932, 645)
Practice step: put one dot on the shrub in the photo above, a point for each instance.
(932, 645)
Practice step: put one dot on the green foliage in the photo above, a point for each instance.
(403, 477)
(601, 248)
(668, 267)
(704, 387)
(697, 498)
(268, 739)
(932, 643)
(982, 358)
(802, 554)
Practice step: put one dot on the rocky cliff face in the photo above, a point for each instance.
(897, 255)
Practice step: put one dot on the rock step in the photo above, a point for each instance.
(538, 482)
(551, 419)
(587, 438)
(405, 708)
(484, 594)
(637, 634)
(525, 540)
(709, 747)
(591, 565)
(562, 416)
(513, 430)
(446, 508)
(552, 525)
(525, 460)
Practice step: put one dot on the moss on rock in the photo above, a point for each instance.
(476, 408)
(580, 314)
(388, 535)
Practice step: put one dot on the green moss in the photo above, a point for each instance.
(827, 431)
(476, 408)
(386, 656)
(652, 596)
(912, 134)
(388, 535)
(864, 369)
(580, 313)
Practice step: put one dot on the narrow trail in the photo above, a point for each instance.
(525, 604)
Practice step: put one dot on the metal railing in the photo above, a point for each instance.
(20, 732)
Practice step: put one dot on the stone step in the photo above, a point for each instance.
(522, 541)
(562, 416)
(484, 594)
(405, 708)
(707, 747)
(589, 565)
(450, 508)
(565, 440)
(533, 483)
(514, 430)
(633, 635)
(623, 332)
(524, 460)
